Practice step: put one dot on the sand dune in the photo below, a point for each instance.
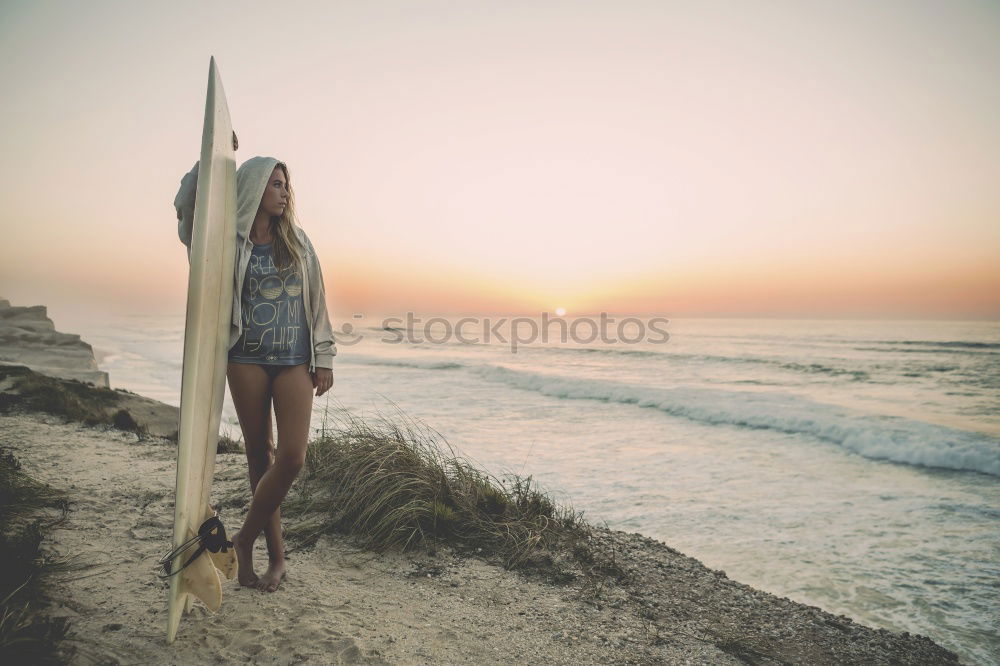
(339, 604)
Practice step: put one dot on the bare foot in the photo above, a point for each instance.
(271, 579)
(244, 558)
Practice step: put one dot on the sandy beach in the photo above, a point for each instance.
(343, 604)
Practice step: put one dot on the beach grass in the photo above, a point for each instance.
(71, 399)
(229, 445)
(393, 483)
(68, 398)
(27, 634)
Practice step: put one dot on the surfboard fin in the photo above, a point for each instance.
(202, 581)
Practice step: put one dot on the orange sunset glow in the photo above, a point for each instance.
(690, 159)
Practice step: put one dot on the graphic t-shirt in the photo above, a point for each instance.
(274, 322)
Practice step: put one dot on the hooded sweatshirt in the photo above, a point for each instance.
(251, 180)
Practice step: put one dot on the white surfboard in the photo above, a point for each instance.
(206, 340)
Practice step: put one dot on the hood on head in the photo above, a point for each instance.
(251, 179)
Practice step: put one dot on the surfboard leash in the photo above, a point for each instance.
(211, 536)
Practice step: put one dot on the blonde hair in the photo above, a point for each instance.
(288, 249)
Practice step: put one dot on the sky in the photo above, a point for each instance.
(755, 158)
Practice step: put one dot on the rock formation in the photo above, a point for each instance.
(28, 337)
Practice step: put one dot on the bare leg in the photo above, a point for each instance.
(250, 388)
(292, 394)
(259, 459)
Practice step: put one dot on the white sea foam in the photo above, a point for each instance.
(421, 364)
(873, 436)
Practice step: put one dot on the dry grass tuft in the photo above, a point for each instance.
(27, 635)
(71, 399)
(229, 445)
(396, 484)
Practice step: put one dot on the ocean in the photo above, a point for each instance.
(852, 465)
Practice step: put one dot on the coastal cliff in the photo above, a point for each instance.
(28, 337)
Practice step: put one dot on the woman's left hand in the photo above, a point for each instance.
(322, 380)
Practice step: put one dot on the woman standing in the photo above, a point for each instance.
(281, 346)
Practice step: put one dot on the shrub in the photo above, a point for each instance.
(396, 484)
